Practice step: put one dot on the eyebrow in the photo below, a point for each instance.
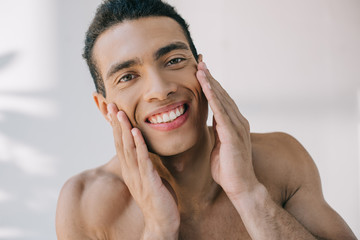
(168, 48)
(119, 66)
(158, 54)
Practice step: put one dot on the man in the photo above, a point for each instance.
(173, 177)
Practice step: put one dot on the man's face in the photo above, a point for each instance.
(149, 73)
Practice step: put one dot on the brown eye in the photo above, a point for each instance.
(175, 61)
(127, 77)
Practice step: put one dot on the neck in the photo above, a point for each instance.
(189, 174)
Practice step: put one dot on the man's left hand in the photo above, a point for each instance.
(231, 158)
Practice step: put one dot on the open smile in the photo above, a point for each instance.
(169, 119)
(168, 116)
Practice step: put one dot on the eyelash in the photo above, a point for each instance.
(171, 62)
(127, 75)
(175, 59)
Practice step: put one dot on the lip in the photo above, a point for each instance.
(171, 125)
(165, 109)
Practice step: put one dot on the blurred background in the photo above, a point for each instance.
(291, 66)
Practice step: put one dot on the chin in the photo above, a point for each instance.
(173, 145)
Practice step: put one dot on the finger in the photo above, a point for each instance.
(228, 103)
(217, 107)
(239, 121)
(202, 66)
(112, 110)
(128, 142)
(217, 86)
(147, 170)
(230, 127)
(141, 151)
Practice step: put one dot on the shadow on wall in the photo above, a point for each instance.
(26, 164)
(45, 89)
(6, 59)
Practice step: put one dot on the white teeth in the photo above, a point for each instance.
(167, 117)
(172, 115)
(159, 119)
(152, 120)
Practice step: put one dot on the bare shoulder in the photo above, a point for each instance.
(89, 204)
(282, 163)
(280, 151)
(287, 170)
(280, 144)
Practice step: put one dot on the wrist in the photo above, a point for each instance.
(159, 232)
(254, 197)
(244, 188)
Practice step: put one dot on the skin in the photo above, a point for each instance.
(193, 182)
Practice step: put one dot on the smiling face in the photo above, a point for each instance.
(149, 71)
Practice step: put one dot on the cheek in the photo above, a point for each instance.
(190, 81)
(202, 102)
(195, 87)
(126, 100)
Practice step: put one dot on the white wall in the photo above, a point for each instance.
(291, 66)
(46, 112)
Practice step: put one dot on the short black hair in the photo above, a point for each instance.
(112, 12)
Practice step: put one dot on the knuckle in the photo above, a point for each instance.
(116, 124)
(118, 145)
(129, 152)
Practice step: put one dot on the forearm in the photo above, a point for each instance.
(264, 219)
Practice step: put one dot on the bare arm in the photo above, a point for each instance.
(265, 220)
(305, 213)
(98, 206)
(69, 222)
(232, 168)
(308, 205)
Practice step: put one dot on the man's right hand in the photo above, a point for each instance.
(161, 215)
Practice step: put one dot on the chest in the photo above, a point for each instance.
(220, 221)
(224, 226)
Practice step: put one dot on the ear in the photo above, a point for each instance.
(200, 58)
(101, 104)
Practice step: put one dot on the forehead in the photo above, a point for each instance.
(135, 39)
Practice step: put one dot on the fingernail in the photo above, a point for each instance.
(133, 132)
(108, 116)
(209, 86)
(109, 107)
(119, 117)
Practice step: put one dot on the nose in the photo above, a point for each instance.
(158, 87)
